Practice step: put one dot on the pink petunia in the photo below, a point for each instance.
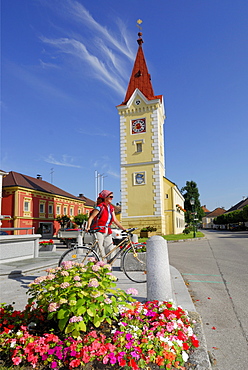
(16, 360)
(75, 363)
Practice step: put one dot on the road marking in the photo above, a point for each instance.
(205, 281)
(199, 274)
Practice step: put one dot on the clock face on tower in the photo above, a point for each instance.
(138, 125)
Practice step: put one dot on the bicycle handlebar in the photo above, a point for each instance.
(128, 231)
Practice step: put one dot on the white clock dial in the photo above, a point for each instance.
(138, 126)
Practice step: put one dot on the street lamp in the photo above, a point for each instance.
(192, 202)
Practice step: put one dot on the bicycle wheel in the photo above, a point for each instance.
(134, 265)
(78, 254)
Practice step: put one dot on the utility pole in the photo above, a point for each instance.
(99, 182)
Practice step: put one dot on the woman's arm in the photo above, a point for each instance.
(93, 215)
(117, 222)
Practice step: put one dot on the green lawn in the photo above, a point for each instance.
(199, 234)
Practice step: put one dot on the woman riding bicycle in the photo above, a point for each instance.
(101, 219)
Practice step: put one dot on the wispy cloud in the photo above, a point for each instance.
(105, 166)
(48, 65)
(94, 133)
(82, 14)
(107, 55)
(98, 68)
(113, 173)
(66, 161)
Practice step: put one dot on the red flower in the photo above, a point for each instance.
(122, 362)
(185, 346)
(194, 341)
(133, 365)
(75, 363)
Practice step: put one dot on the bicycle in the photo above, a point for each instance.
(133, 263)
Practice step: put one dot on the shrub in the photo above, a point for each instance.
(76, 296)
(186, 230)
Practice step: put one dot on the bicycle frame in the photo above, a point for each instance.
(126, 249)
(126, 243)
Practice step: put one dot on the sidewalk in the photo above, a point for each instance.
(15, 277)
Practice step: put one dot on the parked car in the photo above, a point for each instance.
(117, 235)
(3, 233)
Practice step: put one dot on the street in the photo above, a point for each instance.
(216, 270)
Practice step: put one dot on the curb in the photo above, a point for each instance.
(199, 359)
(187, 240)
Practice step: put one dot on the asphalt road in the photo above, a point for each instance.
(216, 271)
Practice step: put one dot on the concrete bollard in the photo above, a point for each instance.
(80, 240)
(135, 238)
(158, 269)
(36, 246)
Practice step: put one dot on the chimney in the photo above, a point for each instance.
(39, 177)
(80, 195)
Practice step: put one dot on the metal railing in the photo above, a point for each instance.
(17, 228)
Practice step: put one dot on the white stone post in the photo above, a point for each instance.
(36, 246)
(135, 238)
(80, 239)
(158, 269)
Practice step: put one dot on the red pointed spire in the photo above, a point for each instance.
(140, 78)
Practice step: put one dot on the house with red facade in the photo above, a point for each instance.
(35, 203)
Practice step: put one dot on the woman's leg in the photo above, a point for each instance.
(100, 237)
(108, 244)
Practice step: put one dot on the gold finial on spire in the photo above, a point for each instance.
(139, 21)
(140, 41)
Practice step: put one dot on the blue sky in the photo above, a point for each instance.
(66, 65)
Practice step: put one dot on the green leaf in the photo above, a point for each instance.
(90, 312)
(62, 313)
(109, 320)
(81, 310)
(70, 327)
(97, 321)
(62, 323)
(82, 326)
(50, 315)
(80, 302)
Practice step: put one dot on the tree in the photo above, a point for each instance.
(63, 220)
(79, 219)
(245, 213)
(233, 217)
(190, 191)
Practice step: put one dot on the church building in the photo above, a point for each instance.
(148, 198)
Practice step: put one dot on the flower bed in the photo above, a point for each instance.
(77, 318)
(47, 245)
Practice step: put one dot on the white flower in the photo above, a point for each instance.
(185, 356)
(13, 343)
(180, 342)
(190, 331)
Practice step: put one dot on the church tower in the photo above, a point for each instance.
(142, 117)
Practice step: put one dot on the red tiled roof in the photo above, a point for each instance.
(88, 202)
(140, 78)
(216, 212)
(205, 210)
(18, 179)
